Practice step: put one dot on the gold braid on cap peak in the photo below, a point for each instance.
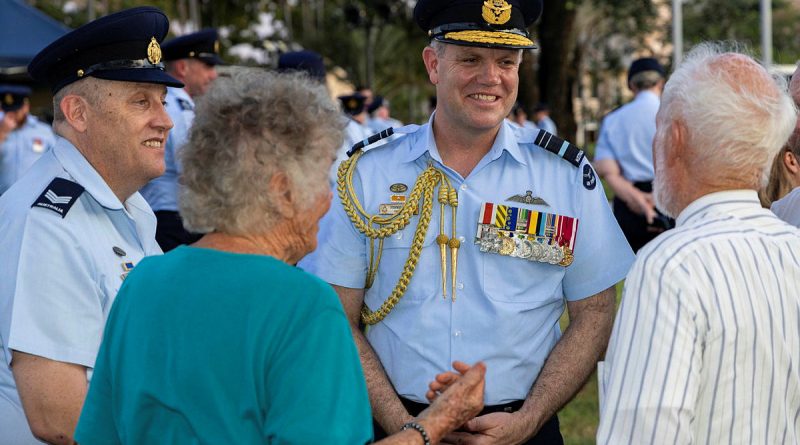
(379, 227)
(491, 37)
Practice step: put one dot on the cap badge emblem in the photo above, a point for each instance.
(153, 51)
(352, 104)
(216, 46)
(496, 12)
(8, 99)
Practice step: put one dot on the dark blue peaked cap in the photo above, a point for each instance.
(353, 104)
(13, 96)
(121, 46)
(645, 64)
(485, 23)
(305, 61)
(203, 45)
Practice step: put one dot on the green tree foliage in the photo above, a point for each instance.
(739, 20)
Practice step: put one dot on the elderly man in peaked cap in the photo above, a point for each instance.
(465, 238)
(192, 59)
(74, 225)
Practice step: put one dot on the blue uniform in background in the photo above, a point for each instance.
(67, 243)
(162, 193)
(22, 148)
(626, 136)
(507, 309)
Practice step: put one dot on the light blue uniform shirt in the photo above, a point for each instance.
(22, 148)
(626, 136)
(59, 276)
(162, 193)
(547, 125)
(507, 309)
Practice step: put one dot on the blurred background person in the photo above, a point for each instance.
(380, 115)
(355, 110)
(304, 61)
(541, 117)
(624, 155)
(519, 117)
(23, 137)
(192, 59)
(284, 366)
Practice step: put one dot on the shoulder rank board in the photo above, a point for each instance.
(185, 105)
(59, 196)
(560, 147)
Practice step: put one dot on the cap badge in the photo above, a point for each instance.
(352, 104)
(496, 12)
(8, 99)
(216, 46)
(153, 51)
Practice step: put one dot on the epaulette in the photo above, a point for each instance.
(185, 105)
(560, 147)
(59, 196)
(406, 129)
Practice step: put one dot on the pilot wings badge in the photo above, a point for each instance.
(528, 198)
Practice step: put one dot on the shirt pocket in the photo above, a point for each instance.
(516, 280)
(396, 250)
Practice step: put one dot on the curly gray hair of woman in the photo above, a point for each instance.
(249, 126)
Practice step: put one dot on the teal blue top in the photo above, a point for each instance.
(209, 347)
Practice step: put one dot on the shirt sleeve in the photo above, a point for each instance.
(602, 254)
(604, 148)
(96, 424)
(316, 379)
(654, 359)
(58, 304)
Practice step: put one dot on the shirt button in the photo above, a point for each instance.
(457, 334)
(399, 236)
(463, 187)
(460, 285)
(462, 239)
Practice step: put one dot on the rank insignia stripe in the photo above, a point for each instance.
(560, 147)
(59, 196)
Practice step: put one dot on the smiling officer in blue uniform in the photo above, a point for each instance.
(464, 239)
(23, 137)
(74, 226)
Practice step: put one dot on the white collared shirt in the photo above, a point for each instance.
(706, 344)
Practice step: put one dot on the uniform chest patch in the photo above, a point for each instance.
(59, 196)
(589, 178)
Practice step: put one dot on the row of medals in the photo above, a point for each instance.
(528, 247)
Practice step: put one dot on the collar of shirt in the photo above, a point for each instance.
(718, 202)
(505, 141)
(648, 96)
(84, 174)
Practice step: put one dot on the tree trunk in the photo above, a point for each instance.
(557, 72)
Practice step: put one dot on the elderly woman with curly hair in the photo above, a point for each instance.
(225, 341)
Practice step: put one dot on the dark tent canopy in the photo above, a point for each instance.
(24, 31)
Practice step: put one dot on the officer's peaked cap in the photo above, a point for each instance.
(121, 46)
(485, 23)
(13, 96)
(203, 45)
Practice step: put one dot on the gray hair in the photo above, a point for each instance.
(736, 115)
(90, 88)
(645, 80)
(248, 127)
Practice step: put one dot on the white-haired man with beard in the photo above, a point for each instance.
(705, 347)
